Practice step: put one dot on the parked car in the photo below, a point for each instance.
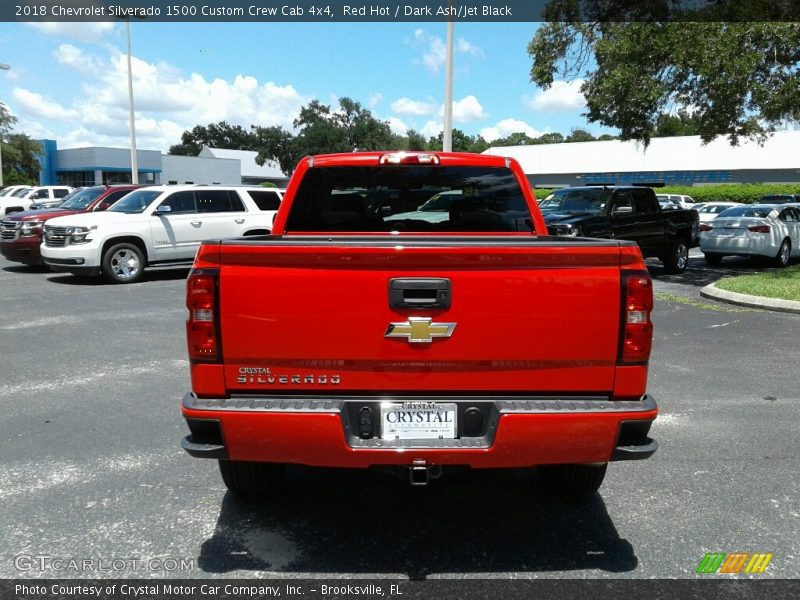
(667, 204)
(682, 200)
(766, 230)
(21, 233)
(779, 199)
(154, 226)
(710, 211)
(11, 190)
(626, 213)
(22, 199)
(54, 202)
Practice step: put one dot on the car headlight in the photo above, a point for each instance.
(79, 235)
(29, 226)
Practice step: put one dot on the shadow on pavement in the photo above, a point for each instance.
(334, 521)
(150, 275)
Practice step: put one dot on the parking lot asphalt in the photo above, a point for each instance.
(91, 468)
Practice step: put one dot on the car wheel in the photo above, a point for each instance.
(251, 478)
(713, 259)
(123, 263)
(784, 252)
(678, 258)
(572, 480)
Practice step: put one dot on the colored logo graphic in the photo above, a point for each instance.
(735, 562)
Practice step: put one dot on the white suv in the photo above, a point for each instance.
(153, 226)
(22, 198)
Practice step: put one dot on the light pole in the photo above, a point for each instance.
(134, 159)
(4, 67)
(447, 133)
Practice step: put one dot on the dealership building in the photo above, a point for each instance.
(666, 161)
(97, 165)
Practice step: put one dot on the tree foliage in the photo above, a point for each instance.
(19, 152)
(322, 130)
(214, 135)
(738, 79)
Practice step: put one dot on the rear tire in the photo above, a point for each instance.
(678, 258)
(251, 478)
(784, 254)
(572, 480)
(713, 259)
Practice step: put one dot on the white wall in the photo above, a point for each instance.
(195, 169)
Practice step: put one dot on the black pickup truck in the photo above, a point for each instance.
(624, 213)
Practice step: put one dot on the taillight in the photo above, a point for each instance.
(636, 329)
(759, 228)
(704, 227)
(407, 158)
(201, 326)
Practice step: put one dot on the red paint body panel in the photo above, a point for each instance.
(534, 316)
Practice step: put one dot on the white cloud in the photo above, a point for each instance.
(167, 102)
(508, 126)
(434, 49)
(374, 100)
(397, 126)
(83, 32)
(39, 106)
(562, 96)
(468, 109)
(75, 58)
(406, 106)
(431, 129)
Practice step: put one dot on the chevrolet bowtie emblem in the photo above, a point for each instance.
(419, 330)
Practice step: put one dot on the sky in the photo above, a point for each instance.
(68, 81)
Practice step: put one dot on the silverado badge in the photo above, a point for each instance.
(419, 330)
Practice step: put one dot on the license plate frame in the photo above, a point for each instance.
(419, 427)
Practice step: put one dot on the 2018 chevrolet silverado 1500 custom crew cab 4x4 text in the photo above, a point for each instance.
(351, 338)
(153, 226)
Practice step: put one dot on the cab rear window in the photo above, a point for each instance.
(412, 198)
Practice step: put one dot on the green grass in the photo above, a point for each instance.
(783, 283)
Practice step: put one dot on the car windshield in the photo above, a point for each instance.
(22, 192)
(747, 211)
(135, 202)
(714, 209)
(82, 199)
(389, 198)
(579, 200)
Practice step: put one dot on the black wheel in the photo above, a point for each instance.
(784, 253)
(251, 478)
(572, 480)
(123, 263)
(678, 257)
(713, 259)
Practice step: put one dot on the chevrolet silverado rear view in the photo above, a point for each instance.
(409, 311)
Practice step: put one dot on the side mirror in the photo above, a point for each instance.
(163, 210)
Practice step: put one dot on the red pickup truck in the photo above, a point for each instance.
(409, 311)
(21, 232)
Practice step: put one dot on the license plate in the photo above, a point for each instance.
(418, 421)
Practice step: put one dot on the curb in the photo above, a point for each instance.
(714, 293)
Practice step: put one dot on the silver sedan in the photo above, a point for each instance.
(766, 230)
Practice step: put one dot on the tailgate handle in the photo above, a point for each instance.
(419, 293)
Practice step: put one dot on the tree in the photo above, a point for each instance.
(739, 79)
(19, 152)
(579, 135)
(671, 125)
(214, 135)
(322, 130)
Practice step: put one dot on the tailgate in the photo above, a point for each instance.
(529, 316)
